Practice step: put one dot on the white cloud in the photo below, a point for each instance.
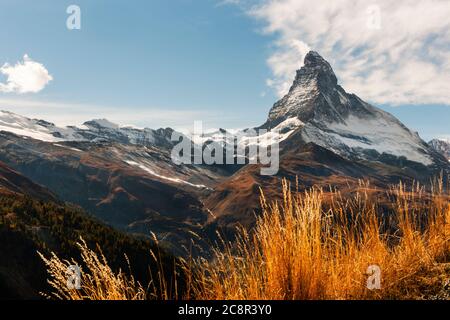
(25, 76)
(395, 52)
(284, 62)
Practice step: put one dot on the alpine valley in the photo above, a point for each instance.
(122, 180)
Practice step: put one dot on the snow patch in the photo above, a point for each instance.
(67, 147)
(382, 134)
(281, 132)
(247, 137)
(176, 180)
(36, 129)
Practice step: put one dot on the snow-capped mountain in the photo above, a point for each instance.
(102, 129)
(247, 137)
(342, 122)
(442, 146)
(36, 129)
(95, 130)
(331, 138)
(320, 111)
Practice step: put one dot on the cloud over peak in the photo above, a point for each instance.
(394, 52)
(25, 76)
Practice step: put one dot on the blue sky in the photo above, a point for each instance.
(160, 63)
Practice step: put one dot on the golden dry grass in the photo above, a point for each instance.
(99, 282)
(303, 248)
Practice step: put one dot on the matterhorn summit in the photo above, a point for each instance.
(342, 122)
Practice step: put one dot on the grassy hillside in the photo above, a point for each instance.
(314, 245)
(322, 245)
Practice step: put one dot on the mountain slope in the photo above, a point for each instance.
(28, 225)
(133, 188)
(11, 182)
(441, 146)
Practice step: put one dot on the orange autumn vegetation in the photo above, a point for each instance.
(304, 248)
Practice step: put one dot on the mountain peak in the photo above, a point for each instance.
(314, 58)
(317, 70)
(101, 123)
(313, 82)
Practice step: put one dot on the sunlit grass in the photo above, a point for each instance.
(302, 247)
(99, 282)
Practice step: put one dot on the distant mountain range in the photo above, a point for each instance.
(96, 130)
(125, 175)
